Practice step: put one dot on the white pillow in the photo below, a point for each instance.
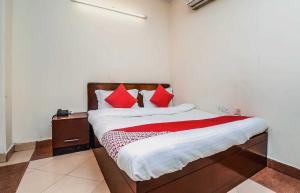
(103, 94)
(147, 95)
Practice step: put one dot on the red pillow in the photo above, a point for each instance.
(161, 97)
(121, 98)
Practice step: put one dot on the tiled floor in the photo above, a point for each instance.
(10, 177)
(43, 149)
(19, 157)
(79, 172)
(277, 181)
(249, 186)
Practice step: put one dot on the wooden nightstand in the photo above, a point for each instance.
(70, 133)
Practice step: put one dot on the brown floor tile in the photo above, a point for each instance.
(43, 149)
(277, 181)
(285, 169)
(10, 177)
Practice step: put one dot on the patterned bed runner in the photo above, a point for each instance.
(114, 140)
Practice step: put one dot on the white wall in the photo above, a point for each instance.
(8, 72)
(242, 54)
(235, 53)
(60, 46)
(2, 82)
(5, 78)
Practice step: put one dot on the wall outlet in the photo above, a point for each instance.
(223, 109)
(237, 111)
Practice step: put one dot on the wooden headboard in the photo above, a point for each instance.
(92, 87)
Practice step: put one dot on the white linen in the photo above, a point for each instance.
(108, 119)
(155, 156)
(103, 94)
(147, 95)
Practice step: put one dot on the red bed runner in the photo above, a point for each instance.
(182, 125)
(115, 139)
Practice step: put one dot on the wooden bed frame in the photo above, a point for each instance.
(215, 174)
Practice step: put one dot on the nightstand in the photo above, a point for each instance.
(70, 133)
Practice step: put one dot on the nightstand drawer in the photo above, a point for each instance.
(70, 132)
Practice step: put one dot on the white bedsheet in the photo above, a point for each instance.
(159, 155)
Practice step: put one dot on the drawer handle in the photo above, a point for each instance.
(71, 140)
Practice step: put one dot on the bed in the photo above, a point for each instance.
(213, 172)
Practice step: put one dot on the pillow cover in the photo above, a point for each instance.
(103, 94)
(121, 98)
(161, 97)
(147, 95)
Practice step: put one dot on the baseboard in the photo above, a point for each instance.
(25, 146)
(283, 168)
(43, 143)
(10, 152)
(31, 144)
(4, 157)
(36, 145)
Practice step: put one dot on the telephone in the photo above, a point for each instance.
(61, 113)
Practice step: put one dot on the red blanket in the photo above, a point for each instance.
(115, 139)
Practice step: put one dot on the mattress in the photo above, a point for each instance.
(158, 155)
